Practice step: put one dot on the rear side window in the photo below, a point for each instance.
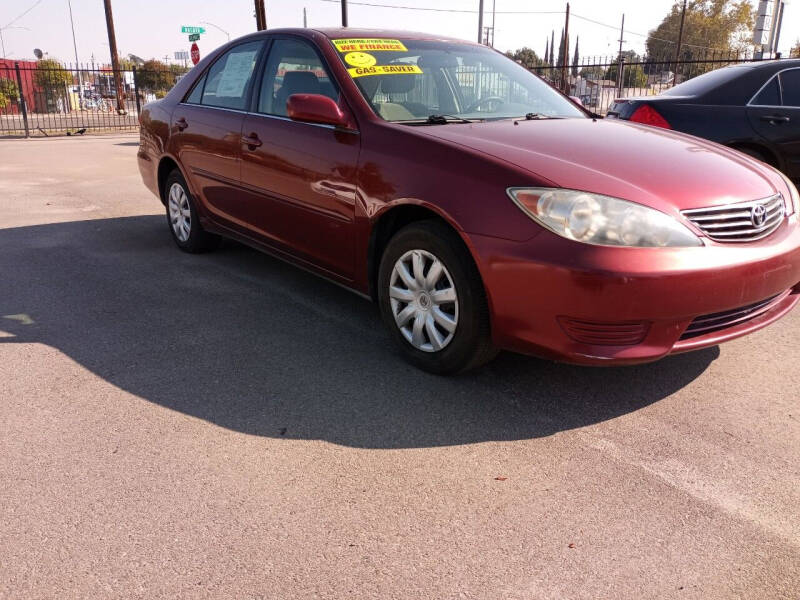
(228, 80)
(770, 95)
(790, 81)
(197, 92)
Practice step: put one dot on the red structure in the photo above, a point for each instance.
(26, 71)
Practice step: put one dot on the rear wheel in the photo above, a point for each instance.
(432, 300)
(182, 218)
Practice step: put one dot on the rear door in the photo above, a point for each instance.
(775, 115)
(299, 179)
(207, 129)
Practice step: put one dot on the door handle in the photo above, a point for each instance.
(775, 119)
(181, 124)
(251, 141)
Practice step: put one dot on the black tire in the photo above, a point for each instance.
(470, 345)
(198, 239)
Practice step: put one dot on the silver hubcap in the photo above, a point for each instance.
(424, 301)
(180, 215)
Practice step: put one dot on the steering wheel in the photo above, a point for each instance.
(474, 106)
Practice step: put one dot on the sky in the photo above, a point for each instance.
(151, 28)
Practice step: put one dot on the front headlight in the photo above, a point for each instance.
(601, 220)
(794, 197)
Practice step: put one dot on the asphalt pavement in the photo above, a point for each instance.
(229, 426)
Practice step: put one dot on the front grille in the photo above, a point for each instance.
(722, 320)
(743, 222)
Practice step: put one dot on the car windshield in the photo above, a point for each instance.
(411, 80)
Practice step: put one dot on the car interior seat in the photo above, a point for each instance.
(295, 82)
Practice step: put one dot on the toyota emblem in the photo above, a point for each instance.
(758, 215)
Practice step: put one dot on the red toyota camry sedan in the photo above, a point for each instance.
(479, 207)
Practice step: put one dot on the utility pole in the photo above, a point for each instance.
(480, 21)
(112, 45)
(261, 16)
(344, 13)
(775, 36)
(494, 6)
(680, 36)
(621, 35)
(305, 18)
(564, 67)
(77, 65)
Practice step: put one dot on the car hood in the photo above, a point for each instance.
(667, 170)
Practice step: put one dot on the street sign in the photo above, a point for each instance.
(194, 37)
(181, 55)
(186, 29)
(195, 54)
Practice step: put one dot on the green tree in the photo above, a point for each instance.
(526, 57)
(155, 76)
(594, 72)
(9, 92)
(795, 51)
(576, 59)
(719, 25)
(634, 75)
(178, 70)
(561, 53)
(51, 76)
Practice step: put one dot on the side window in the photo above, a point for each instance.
(790, 82)
(293, 67)
(197, 92)
(228, 79)
(770, 95)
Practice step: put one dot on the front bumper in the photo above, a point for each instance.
(535, 287)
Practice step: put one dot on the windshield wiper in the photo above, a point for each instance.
(445, 119)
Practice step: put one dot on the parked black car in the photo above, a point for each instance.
(753, 107)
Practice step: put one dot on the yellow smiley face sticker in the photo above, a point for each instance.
(359, 59)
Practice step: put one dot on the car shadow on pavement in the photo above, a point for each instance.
(250, 343)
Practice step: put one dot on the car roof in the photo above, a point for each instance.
(359, 33)
(782, 63)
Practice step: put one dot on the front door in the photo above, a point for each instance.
(207, 130)
(299, 179)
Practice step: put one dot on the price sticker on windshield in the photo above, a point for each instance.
(369, 45)
(385, 70)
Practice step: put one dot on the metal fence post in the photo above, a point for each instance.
(22, 103)
(136, 92)
(620, 74)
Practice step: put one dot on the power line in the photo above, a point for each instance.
(644, 35)
(450, 10)
(516, 12)
(17, 18)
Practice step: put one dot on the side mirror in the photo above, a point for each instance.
(315, 108)
(576, 100)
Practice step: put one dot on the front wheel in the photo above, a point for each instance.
(182, 218)
(432, 300)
